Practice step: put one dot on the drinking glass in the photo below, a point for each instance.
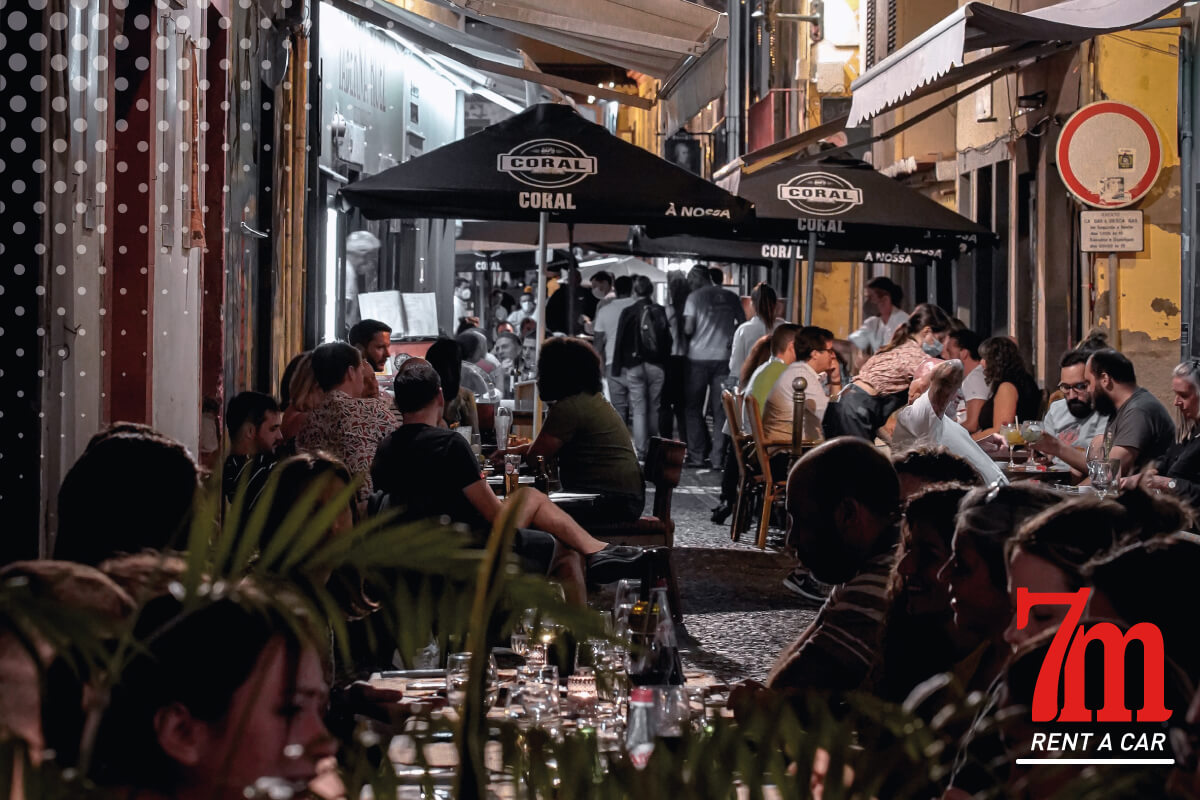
(628, 592)
(1012, 435)
(503, 425)
(512, 474)
(1031, 431)
(458, 672)
(538, 693)
(458, 667)
(1104, 473)
(675, 712)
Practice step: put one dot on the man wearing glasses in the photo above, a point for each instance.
(1074, 420)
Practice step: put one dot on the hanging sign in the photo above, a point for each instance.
(1109, 154)
(1111, 232)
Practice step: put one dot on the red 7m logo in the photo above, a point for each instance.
(1066, 658)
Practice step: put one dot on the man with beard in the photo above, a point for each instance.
(1074, 420)
(1140, 429)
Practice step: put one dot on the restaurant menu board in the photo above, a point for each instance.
(406, 314)
(420, 314)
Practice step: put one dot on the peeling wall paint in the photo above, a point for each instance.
(1141, 302)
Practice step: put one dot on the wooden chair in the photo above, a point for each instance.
(664, 466)
(772, 488)
(741, 448)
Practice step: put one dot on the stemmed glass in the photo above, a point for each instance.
(1103, 471)
(1031, 431)
(1012, 435)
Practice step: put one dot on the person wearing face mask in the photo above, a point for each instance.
(462, 299)
(883, 300)
(882, 386)
(1014, 392)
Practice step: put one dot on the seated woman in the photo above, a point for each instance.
(445, 356)
(1178, 472)
(585, 434)
(1014, 392)
(882, 386)
(220, 698)
(921, 639)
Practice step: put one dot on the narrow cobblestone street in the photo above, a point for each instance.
(737, 613)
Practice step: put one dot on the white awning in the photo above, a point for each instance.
(937, 58)
(653, 37)
(697, 83)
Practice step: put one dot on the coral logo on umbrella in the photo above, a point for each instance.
(820, 194)
(547, 163)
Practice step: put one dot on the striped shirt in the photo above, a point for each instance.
(893, 371)
(842, 645)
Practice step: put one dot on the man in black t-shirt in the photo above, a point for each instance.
(430, 471)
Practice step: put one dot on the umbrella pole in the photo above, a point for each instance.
(810, 270)
(543, 222)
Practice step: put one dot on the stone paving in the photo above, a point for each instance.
(737, 613)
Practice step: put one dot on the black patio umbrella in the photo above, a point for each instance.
(547, 164)
(834, 209)
(549, 161)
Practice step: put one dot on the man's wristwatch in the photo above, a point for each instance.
(1171, 484)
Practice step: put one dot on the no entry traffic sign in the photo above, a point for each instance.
(1109, 154)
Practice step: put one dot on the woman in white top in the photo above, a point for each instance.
(877, 331)
(763, 322)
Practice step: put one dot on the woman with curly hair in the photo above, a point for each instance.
(1014, 392)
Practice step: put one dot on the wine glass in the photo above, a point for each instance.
(1104, 473)
(1031, 431)
(629, 590)
(1012, 435)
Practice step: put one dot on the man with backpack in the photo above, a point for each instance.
(640, 353)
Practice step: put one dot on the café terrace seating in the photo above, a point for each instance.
(664, 466)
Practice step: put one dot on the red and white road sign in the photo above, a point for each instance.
(1109, 154)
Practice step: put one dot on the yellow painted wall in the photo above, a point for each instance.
(833, 298)
(1142, 304)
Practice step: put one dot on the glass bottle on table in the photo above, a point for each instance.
(541, 476)
(653, 658)
(639, 731)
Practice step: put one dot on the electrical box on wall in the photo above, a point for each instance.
(352, 145)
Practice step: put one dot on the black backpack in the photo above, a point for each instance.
(653, 340)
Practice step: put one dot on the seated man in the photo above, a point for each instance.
(1140, 430)
(926, 466)
(429, 471)
(1074, 420)
(813, 348)
(924, 423)
(843, 503)
(253, 421)
(762, 380)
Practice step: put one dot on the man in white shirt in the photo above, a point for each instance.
(814, 355)
(1074, 420)
(964, 346)
(608, 318)
(924, 422)
(876, 331)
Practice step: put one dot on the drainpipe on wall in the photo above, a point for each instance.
(1188, 344)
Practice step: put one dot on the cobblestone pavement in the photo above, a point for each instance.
(737, 613)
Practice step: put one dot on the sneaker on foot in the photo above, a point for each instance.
(802, 582)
